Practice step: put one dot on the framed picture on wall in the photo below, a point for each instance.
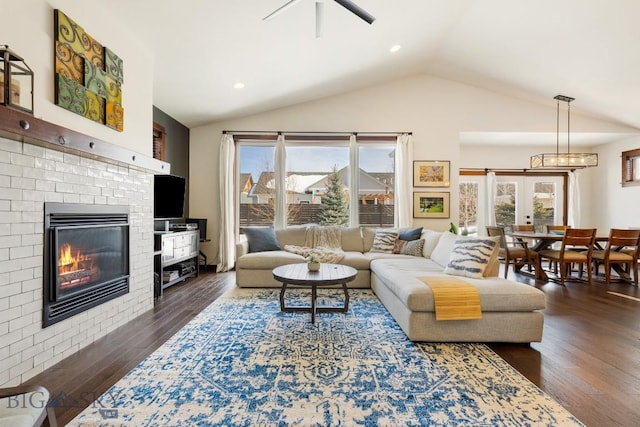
(431, 173)
(431, 205)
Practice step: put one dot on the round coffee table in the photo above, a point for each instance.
(328, 275)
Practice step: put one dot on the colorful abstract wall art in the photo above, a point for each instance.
(89, 76)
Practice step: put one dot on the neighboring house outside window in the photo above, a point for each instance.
(307, 178)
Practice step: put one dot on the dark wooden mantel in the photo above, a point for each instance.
(23, 127)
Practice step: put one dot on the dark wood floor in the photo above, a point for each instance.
(588, 360)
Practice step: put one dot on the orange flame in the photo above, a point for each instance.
(68, 262)
(65, 255)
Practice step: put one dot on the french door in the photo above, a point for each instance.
(537, 199)
(527, 199)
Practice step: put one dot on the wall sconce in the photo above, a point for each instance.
(16, 79)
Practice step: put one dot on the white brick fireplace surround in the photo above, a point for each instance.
(31, 175)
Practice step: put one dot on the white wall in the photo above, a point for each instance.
(614, 206)
(434, 109)
(28, 29)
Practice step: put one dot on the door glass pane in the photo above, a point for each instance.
(375, 185)
(468, 209)
(505, 204)
(544, 203)
(256, 189)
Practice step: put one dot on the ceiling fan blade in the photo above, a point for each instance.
(279, 10)
(357, 10)
(319, 18)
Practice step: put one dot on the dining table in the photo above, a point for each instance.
(542, 241)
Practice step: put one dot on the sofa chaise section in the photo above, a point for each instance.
(510, 310)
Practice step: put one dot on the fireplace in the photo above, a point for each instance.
(86, 260)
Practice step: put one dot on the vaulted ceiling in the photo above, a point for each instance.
(587, 49)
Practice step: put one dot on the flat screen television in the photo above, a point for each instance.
(168, 196)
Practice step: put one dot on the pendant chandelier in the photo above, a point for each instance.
(566, 160)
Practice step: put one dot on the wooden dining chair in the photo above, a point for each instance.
(555, 229)
(516, 253)
(622, 249)
(524, 228)
(577, 248)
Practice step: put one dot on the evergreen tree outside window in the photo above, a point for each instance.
(505, 205)
(335, 206)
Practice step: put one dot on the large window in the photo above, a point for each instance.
(319, 182)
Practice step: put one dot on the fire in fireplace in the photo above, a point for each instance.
(75, 270)
(86, 257)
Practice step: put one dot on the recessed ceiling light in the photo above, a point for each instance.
(238, 85)
(395, 48)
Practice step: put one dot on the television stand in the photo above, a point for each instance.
(203, 255)
(177, 257)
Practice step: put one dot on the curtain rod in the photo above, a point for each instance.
(312, 132)
(485, 170)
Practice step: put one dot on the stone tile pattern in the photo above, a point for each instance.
(31, 175)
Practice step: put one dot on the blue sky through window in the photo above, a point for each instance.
(256, 159)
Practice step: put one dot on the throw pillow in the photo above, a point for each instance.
(384, 241)
(431, 239)
(441, 253)
(397, 247)
(410, 234)
(413, 247)
(261, 239)
(470, 257)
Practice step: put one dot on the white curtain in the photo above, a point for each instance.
(227, 247)
(404, 178)
(573, 216)
(490, 212)
(280, 165)
(354, 184)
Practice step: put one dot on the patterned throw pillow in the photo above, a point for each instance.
(470, 257)
(413, 247)
(384, 241)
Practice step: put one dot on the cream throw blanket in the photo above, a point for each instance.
(321, 241)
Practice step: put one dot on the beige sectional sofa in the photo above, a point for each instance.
(510, 310)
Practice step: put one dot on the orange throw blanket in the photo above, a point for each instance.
(454, 299)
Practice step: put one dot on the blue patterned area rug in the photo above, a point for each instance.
(241, 362)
